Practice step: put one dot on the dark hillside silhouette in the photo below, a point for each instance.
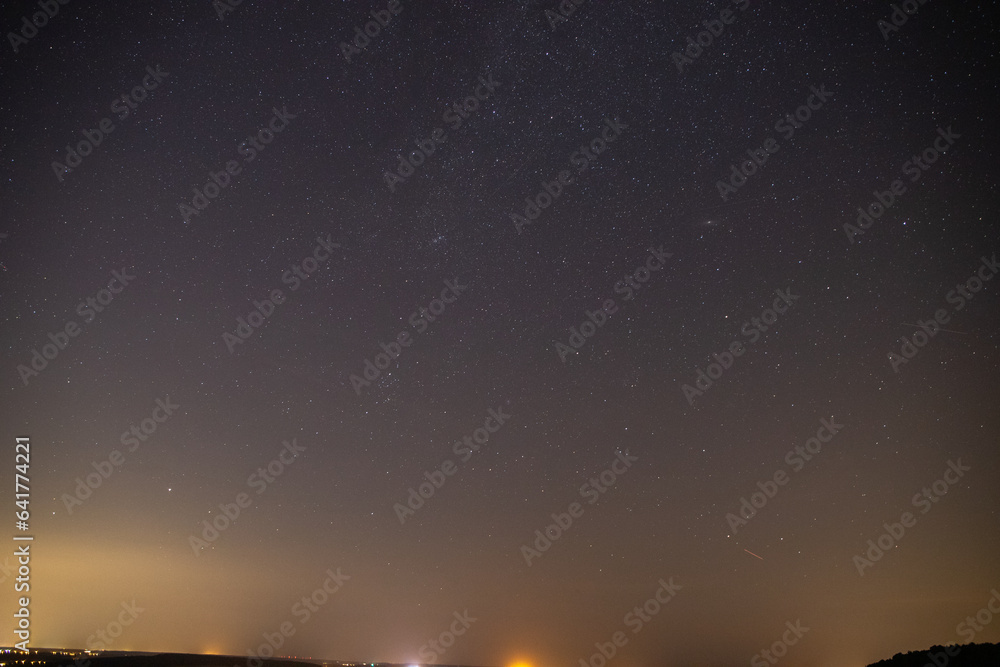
(967, 655)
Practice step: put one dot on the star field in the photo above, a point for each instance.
(491, 289)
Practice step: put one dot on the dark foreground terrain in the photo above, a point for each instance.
(967, 655)
(70, 658)
(112, 659)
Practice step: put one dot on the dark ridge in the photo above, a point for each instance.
(968, 655)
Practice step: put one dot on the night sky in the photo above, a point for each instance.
(403, 300)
